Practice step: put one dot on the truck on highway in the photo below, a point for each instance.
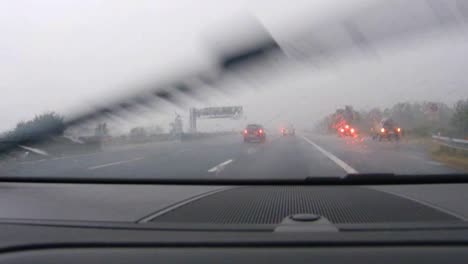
(343, 122)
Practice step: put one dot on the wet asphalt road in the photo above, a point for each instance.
(227, 157)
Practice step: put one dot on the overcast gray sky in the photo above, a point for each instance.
(57, 55)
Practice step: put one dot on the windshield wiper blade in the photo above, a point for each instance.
(370, 177)
(170, 92)
(391, 178)
(365, 28)
(354, 179)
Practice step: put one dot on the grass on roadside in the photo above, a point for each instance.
(452, 157)
(425, 141)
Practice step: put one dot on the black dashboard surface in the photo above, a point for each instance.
(130, 203)
(90, 223)
(378, 255)
(90, 202)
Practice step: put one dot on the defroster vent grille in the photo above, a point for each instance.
(271, 204)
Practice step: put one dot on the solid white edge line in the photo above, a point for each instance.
(113, 163)
(334, 158)
(217, 167)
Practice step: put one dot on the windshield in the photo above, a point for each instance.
(232, 89)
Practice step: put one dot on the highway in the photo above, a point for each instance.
(227, 157)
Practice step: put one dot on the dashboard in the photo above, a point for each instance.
(131, 223)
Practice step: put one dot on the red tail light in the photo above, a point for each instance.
(347, 127)
(352, 130)
(342, 130)
(382, 130)
(245, 131)
(398, 129)
(260, 131)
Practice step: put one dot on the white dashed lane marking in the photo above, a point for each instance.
(113, 163)
(220, 166)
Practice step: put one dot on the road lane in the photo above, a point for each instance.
(287, 157)
(189, 160)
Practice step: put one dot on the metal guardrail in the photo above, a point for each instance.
(455, 143)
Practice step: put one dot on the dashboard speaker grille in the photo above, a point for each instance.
(271, 204)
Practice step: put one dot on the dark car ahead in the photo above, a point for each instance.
(387, 130)
(254, 133)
